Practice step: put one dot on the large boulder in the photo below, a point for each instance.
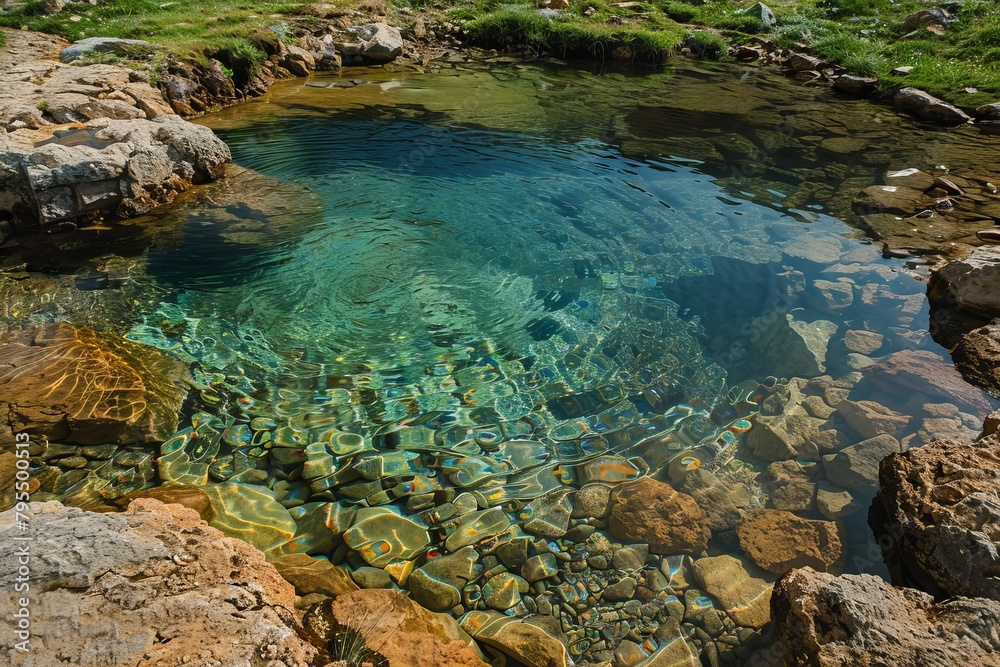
(154, 585)
(827, 621)
(655, 513)
(74, 385)
(971, 283)
(106, 167)
(926, 106)
(380, 43)
(939, 512)
(977, 357)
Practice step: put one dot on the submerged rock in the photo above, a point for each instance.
(154, 585)
(75, 385)
(251, 513)
(923, 372)
(832, 621)
(856, 467)
(396, 627)
(192, 497)
(778, 541)
(792, 434)
(438, 584)
(524, 640)
(653, 512)
(746, 599)
(870, 419)
(714, 497)
(797, 347)
(939, 506)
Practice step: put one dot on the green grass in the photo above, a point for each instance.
(573, 36)
(860, 35)
(705, 44)
(184, 26)
(3, 39)
(241, 59)
(864, 37)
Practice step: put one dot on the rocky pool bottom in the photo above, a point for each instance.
(674, 414)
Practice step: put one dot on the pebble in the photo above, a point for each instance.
(579, 533)
(631, 557)
(989, 235)
(371, 577)
(539, 567)
(598, 562)
(620, 591)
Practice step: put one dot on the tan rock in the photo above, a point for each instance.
(653, 512)
(314, 575)
(778, 541)
(835, 503)
(870, 419)
(529, 641)
(396, 627)
(939, 505)
(785, 436)
(863, 342)
(191, 497)
(977, 357)
(154, 585)
(76, 385)
(148, 99)
(828, 621)
(746, 599)
(714, 497)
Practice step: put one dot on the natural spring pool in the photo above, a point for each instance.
(443, 317)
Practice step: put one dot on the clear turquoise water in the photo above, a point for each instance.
(440, 242)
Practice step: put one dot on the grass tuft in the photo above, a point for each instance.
(707, 45)
(240, 58)
(571, 37)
